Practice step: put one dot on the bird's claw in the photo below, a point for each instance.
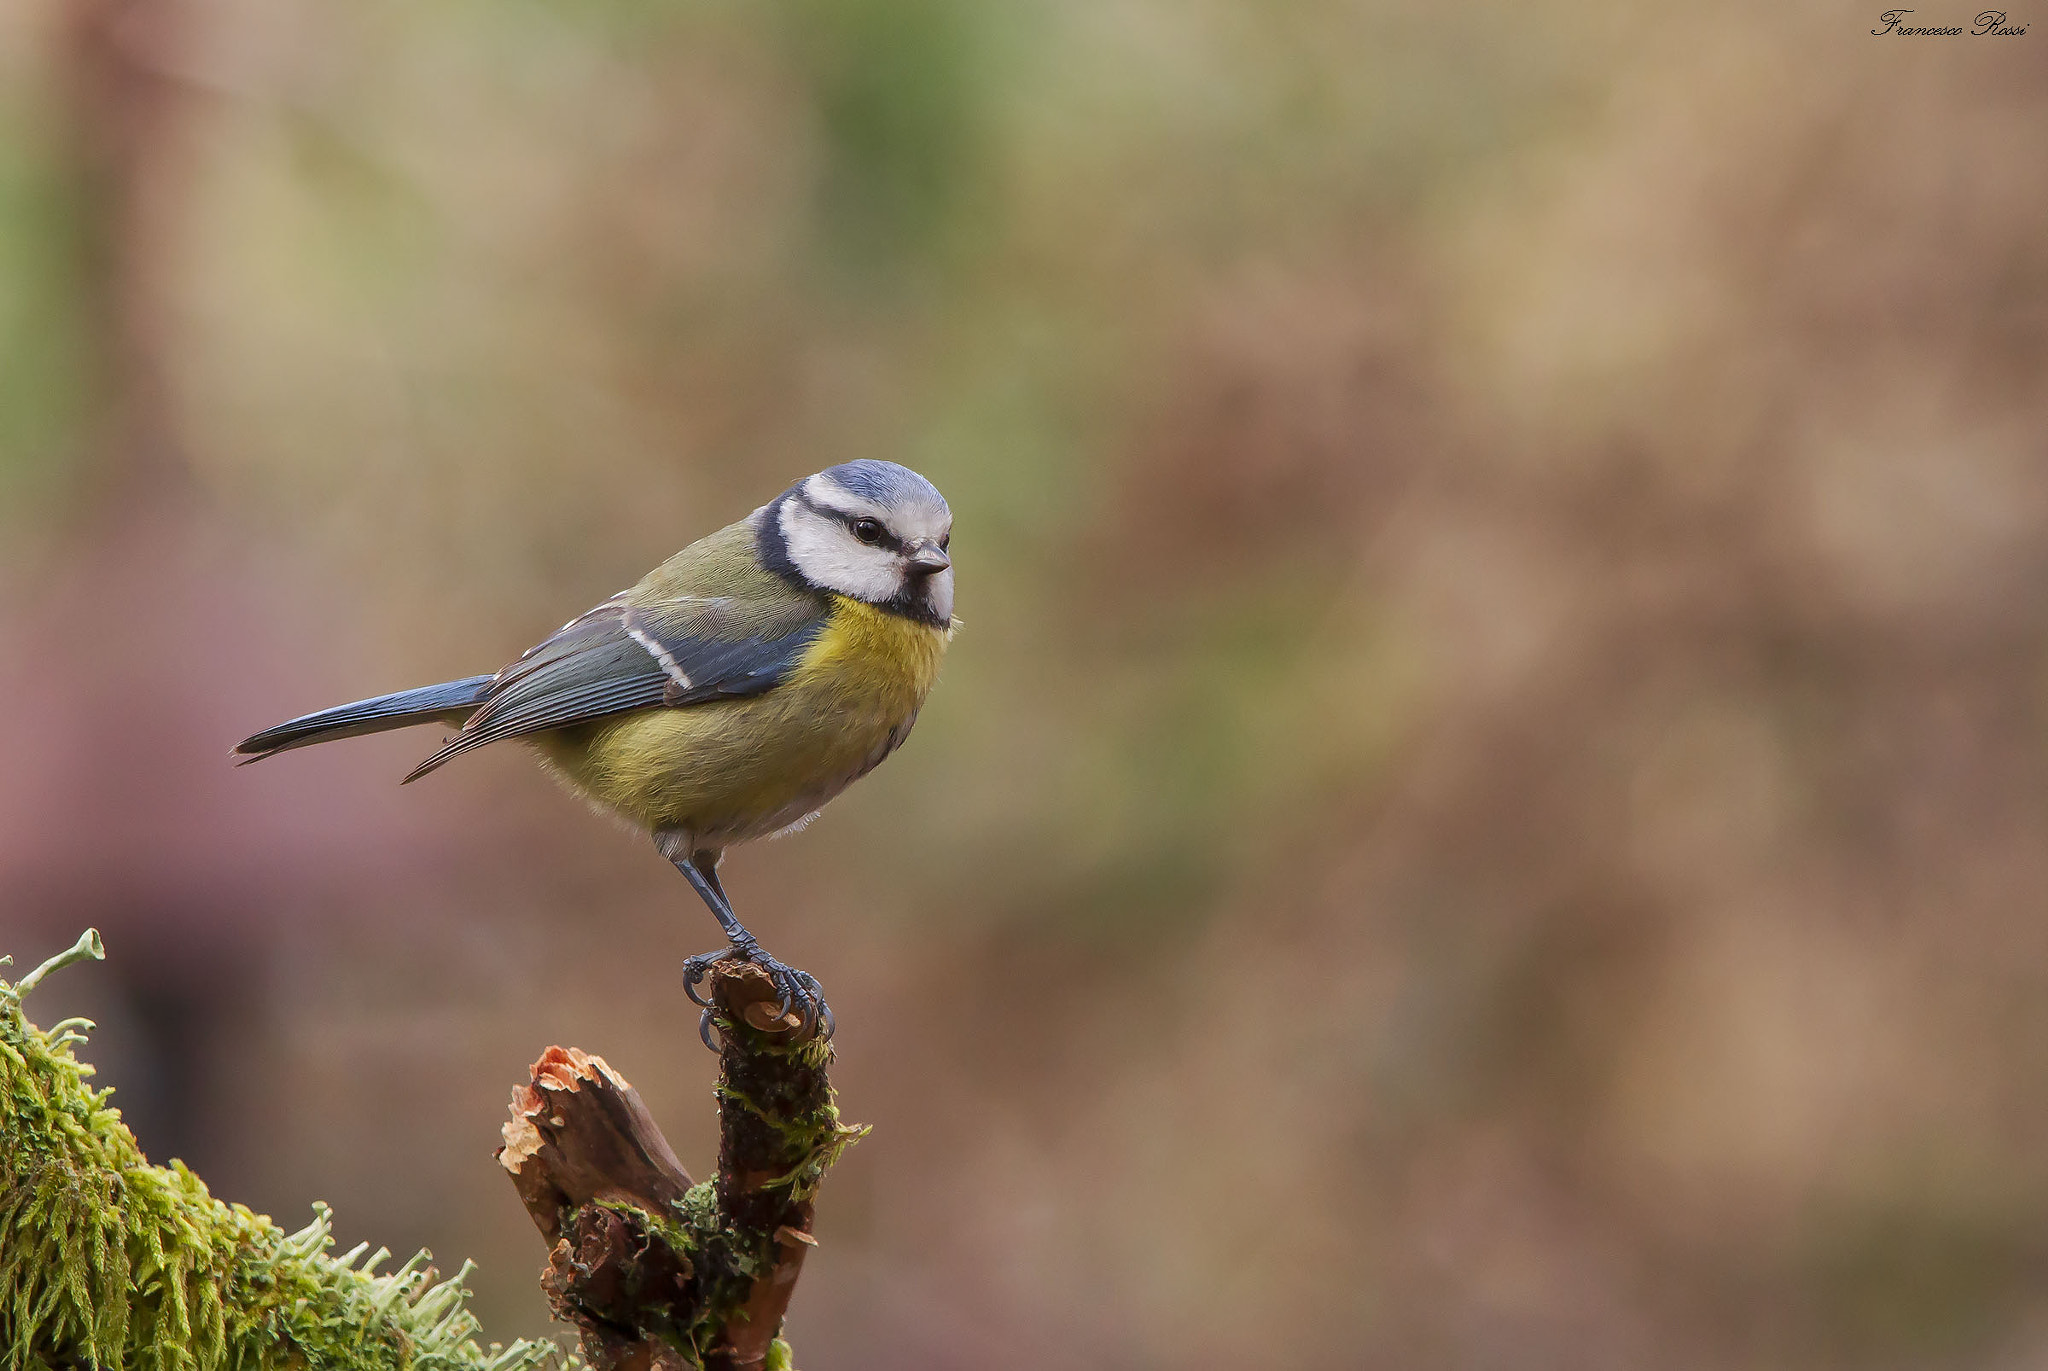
(798, 990)
(794, 989)
(696, 971)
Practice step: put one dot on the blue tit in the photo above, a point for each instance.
(730, 694)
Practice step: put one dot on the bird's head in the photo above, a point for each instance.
(871, 530)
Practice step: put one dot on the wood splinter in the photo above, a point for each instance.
(654, 1271)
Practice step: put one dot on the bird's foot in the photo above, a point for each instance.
(798, 989)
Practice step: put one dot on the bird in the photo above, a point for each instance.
(728, 695)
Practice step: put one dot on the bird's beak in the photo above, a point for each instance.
(928, 557)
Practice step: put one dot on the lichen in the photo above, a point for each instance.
(107, 1261)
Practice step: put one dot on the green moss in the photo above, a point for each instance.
(726, 1263)
(725, 1259)
(107, 1261)
(797, 1130)
(784, 1090)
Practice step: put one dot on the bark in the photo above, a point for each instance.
(653, 1270)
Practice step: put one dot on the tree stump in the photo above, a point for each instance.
(653, 1270)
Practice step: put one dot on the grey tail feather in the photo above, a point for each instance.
(450, 702)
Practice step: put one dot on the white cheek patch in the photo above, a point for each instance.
(827, 554)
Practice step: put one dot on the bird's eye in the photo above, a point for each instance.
(868, 530)
(946, 540)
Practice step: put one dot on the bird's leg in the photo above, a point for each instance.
(799, 988)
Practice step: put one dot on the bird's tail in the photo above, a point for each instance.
(450, 702)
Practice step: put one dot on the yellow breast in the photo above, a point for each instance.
(731, 770)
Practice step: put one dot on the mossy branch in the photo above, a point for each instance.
(654, 1271)
(108, 1261)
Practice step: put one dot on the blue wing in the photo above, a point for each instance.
(623, 656)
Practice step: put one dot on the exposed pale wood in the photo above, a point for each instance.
(604, 1188)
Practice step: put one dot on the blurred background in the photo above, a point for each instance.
(1491, 805)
